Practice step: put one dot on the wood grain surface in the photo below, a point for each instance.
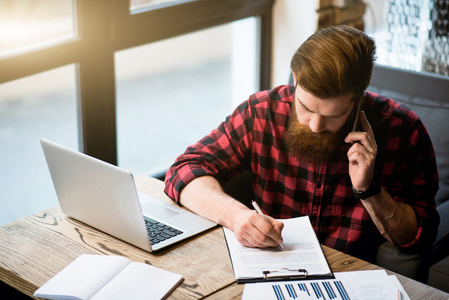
(35, 248)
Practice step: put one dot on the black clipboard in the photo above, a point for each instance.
(280, 274)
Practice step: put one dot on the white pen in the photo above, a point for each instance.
(259, 211)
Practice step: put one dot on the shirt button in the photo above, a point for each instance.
(318, 185)
(314, 217)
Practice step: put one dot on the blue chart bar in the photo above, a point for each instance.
(331, 290)
(303, 287)
(291, 291)
(278, 292)
(316, 290)
(341, 290)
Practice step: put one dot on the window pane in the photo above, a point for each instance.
(42, 105)
(407, 34)
(172, 93)
(28, 24)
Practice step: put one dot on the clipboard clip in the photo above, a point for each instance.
(285, 273)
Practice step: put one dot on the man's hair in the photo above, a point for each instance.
(334, 61)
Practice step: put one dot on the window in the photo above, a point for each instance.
(82, 40)
(173, 92)
(411, 34)
(41, 105)
(29, 24)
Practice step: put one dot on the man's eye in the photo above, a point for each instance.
(305, 108)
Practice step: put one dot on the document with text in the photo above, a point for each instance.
(369, 285)
(302, 256)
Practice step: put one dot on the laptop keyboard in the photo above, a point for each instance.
(159, 232)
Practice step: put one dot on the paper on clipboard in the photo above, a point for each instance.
(302, 256)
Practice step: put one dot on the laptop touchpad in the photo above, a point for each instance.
(154, 210)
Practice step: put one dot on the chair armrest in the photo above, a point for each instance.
(411, 265)
(440, 248)
(439, 275)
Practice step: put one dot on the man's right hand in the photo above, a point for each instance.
(251, 229)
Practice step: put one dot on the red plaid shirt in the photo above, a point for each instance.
(252, 138)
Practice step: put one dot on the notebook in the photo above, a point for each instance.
(104, 196)
(109, 277)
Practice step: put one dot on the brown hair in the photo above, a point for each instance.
(334, 61)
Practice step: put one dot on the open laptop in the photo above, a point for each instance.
(105, 197)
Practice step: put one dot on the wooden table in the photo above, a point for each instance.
(35, 248)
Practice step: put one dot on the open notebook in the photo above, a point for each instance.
(103, 277)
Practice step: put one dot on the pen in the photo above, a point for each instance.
(259, 211)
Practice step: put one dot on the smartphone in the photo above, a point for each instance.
(357, 114)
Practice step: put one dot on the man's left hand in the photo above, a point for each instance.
(362, 155)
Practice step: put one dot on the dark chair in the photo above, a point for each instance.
(427, 95)
(241, 188)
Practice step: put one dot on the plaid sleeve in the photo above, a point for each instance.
(425, 186)
(221, 154)
(416, 177)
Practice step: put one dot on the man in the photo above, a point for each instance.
(359, 188)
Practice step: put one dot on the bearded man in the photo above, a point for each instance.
(359, 187)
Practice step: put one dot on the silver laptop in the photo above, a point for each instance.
(105, 197)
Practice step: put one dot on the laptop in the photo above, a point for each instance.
(104, 196)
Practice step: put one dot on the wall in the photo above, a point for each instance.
(293, 22)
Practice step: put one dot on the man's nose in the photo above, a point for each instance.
(317, 124)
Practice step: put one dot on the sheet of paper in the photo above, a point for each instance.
(301, 250)
(398, 285)
(139, 281)
(372, 285)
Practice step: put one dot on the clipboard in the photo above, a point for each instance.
(302, 257)
(285, 273)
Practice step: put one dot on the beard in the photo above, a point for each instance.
(301, 142)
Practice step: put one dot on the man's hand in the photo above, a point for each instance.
(251, 229)
(362, 155)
